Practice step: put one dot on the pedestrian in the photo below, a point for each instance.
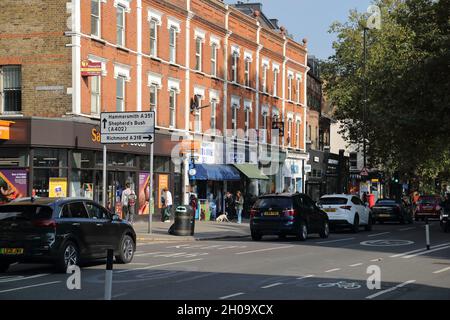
(239, 206)
(169, 203)
(229, 205)
(163, 206)
(364, 198)
(125, 201)
(212, 206)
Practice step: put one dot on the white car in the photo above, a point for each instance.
(346, 210)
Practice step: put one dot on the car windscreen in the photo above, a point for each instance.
(385, 203)
(273, 202)
(428, 201)
(332, 201)
(25, 212)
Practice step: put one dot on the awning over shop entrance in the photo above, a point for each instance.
(251, 171)
(216, 172)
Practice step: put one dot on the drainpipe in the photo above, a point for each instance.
(76, 56)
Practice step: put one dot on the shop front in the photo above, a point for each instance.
(64, 158)
(316, 182)
(294, 172)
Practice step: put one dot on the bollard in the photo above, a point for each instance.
(108, 275)
(427, 233)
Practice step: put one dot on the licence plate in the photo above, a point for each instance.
(11, 251)
(271, 213)
(384, 215)
(330, 210)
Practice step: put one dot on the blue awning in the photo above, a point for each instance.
(216, 172)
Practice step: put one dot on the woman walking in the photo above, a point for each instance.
(239, 205)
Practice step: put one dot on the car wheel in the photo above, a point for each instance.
(256, 236)
(4, 266)
(325, 232)
(368, 227)
(303, 232)
(355, 227)
(68, 256)
(126, 250)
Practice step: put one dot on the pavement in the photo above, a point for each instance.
(203, 230)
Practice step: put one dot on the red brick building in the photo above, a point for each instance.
(155, 55)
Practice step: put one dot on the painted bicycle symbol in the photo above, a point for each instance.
(341, 285)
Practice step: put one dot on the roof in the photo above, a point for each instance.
(338, 195)
(44, 201)
(281, 194)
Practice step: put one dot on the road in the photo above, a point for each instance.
(272, 269)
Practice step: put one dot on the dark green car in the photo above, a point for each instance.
(62, 231)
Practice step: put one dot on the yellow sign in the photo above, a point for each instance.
(57, 187)
(4, 129)
(375, 180)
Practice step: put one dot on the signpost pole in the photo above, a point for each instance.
(104, 176)
(151, 205)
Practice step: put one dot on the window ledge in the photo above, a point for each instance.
(156, 58)
(124, 49)
(98, 39)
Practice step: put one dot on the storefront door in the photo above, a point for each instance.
(116, 181)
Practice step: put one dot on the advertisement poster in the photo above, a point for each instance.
(57, 187)
(13, 184)
(88, 190)
(163, 182)
(144, 195)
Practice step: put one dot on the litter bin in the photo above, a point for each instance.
(184, 221)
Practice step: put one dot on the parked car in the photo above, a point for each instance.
(285, 214)
(346, 210)
(428, 207)
(62, 231)
(391, 210)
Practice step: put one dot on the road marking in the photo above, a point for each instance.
(390, 289)
(32, 286)
(23, 278)
(377, 259)
(260, 250)
(272, 285)
(377, 234)
(158, 265)
(195, 277)
(231, 295)
(418, 250)
(335, 240)
(424, 252)
(138, 263)
(356, 264)
(332, 270)
(442, 270)
(404, 229)
(149, 253)
(304, 277)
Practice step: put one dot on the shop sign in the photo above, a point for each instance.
(4, 129)
(236, 157)
(316, 159)
(207, 153)
(127, 127)
(91, 68)
(57, 187)
(13, 184)
(307, 168)
(163, 182)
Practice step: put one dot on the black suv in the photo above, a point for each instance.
(63, 231)
(287, 214)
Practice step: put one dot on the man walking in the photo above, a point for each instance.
(169, 203)
(128, 202)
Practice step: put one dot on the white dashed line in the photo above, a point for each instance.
(424, 252)
(158, 265)
(23, 278)
(260, 250)
(390, 289)
(404, 229)
(231, 295)
(305, 277)
(356, 264)
(418, 250)
(331, 241)
(272, 285)
(332, 270)
(377, 259)
(377, 234)
(442, 270)
(32, 286)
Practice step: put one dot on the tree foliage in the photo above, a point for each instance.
(407, 76)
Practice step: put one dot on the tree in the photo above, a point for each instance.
(407, 74)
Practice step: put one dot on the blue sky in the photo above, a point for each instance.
(311, 19)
